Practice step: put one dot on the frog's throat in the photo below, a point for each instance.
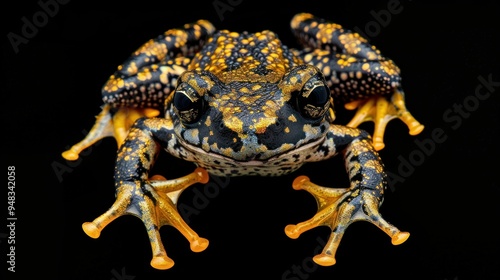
(286, 150)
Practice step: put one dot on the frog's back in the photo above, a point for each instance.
(245, 57)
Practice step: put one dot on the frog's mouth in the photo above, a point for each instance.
(285, 155)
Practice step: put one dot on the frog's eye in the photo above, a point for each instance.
(188, 105)
(313, 99)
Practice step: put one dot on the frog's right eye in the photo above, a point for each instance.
(188, 104)
(313, 99)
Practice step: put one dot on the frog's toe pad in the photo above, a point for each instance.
(400, 237)
(324, 259)
(162, 262)
(70, 155)
(199, 244)
(91, 230)
(415, 128)
(292, 232)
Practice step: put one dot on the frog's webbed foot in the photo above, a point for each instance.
(380, 110)
(337, 209)
(154, 202)
(116, 124)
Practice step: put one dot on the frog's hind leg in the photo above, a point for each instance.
(109, 124)
(124, 118)
(357, 72)
(381, 110)
(102, 128)
(142, 82)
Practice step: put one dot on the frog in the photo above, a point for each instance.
(245, 104)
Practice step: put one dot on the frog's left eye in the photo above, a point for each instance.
(313, 99)
(188, 105)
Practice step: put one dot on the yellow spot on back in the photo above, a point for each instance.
(256, 87)
(371, 55)
(234, 123)
(144, 75)
(308, 57)
(326, 70)
(132, 68)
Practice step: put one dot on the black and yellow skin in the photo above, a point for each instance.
(240, 104)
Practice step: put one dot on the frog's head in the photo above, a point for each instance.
(250, 112)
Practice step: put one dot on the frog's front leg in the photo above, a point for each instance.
(154, 199)
(359, 76)
(339, 207)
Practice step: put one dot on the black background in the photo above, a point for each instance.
(447, 198)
